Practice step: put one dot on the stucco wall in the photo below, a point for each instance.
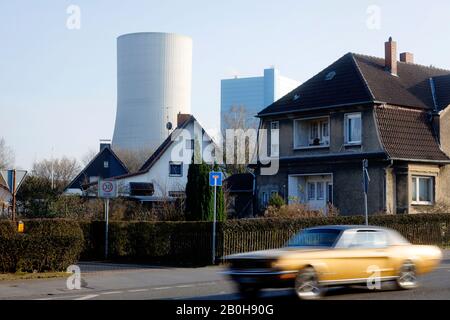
(347, 184)
(370, 139)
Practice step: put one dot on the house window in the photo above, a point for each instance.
(265, 199)
(311, 190)
(353, 128)
(177, 194)
(273, 193)
(190, 144)
(175, 169)
(320, 190)
(312, 132)
(274, 139)
(105, 164)
(422, 190)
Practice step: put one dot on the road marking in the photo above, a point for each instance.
(111, 292)
(162, 288)
(185, 286)
(89, 296)
(138, 290)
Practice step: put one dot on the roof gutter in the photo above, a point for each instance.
(260, 115)
(422, 160)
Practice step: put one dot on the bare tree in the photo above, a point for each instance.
(88, 156)
(6, 155)
(133, 159)
(237, 119)
(59, 171)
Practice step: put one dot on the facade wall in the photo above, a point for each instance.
(159, 175)
(370, 138)
(348, 195)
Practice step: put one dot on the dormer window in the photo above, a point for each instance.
(312, 132)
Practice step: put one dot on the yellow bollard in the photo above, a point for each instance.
(20, 227)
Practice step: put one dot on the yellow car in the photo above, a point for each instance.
(320, 257)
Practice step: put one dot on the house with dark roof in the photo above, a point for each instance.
(106, 164)
(163, 176)
(393, 113)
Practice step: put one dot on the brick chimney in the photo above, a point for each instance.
(407, 57)
(390, 56)
(181, 118)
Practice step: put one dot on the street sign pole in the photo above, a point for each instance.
(214, 225)
(365, 185)
(14, 196)
(215, 180)
(106, 226)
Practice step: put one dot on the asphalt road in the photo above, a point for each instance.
(124, 282)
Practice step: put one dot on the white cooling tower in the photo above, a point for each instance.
(154, 74)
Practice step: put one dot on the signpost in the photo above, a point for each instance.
(215, 180)
(13, 179)
(107, 189)
(366, 180)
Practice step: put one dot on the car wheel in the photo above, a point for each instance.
(307, 285)
(407, 276)
(248, 292)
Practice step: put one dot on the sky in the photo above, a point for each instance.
(58, 85)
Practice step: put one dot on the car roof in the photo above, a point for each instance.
(348, 227)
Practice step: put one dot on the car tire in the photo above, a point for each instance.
(248, 291)
(407, 276)
(307, 285)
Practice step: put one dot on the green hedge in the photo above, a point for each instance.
(46, 245)
(189, 243)
(52, 245)
(179, 243)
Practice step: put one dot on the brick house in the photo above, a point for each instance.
(393, 113)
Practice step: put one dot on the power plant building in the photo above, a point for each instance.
(154, 76)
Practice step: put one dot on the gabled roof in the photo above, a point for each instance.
(165, 145)
(116, 168)
(442, 84)
(360, 79)
(407, 135)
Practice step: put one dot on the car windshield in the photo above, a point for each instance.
(315, 238)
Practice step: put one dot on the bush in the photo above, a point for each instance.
(46, 245)
(276, 201)
(299, 210)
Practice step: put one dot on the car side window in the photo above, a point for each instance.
(369, 239)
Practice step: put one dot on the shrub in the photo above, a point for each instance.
(299, 210)
(276, 201)
(46, 245)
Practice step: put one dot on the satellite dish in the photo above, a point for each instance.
(169, 125)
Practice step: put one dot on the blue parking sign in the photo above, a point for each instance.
(215, 178)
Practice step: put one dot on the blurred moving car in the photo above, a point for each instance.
(320, 257)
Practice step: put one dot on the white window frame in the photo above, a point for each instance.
(106, 164)
(176, 163)
(274, 147)
(320, 121)
(190, 144)
(431, 188)
(347, 117)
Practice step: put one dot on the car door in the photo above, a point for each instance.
(360, 254)
(368, 254)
